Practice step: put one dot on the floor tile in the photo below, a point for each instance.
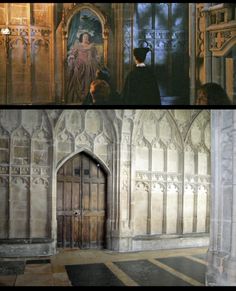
(61, 279)
(201, 256)
(147, 274)
(92, 275)
(38, 269)
(186, 266)
(34, 280)
(7, 280)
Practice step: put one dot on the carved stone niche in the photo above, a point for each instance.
(74, 22)
(222, 28)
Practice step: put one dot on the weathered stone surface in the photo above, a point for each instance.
(151, 191)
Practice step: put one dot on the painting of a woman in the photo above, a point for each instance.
(82, 63)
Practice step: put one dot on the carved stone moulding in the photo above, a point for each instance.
(17, 170)
(222, 39)
(204, 179)
(4, 169)
(21, 180)
(41, 171)
(39, 181)
(4, 180)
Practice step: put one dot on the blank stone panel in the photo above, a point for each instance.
(156, 211)
(6, 117)
(207, 136)
(201, 209)
(140, 211)
(165, 130)
(171, 210)
(142, 158)
(101, 149)
(172, 161)
(3, 209)
(2, 69)
(188, 208)
(2, 13)
(75, 121)
(4, 150)
(158, 161)
(65, 147)
(149, 128)
(93, 122)
(35, 118)
(19, 86)
(196, 134)
(41, 71)
(39, 228)
(40, 14)
(189, 164)
(39, 200)
(19, 209)
(18, 13)
(202, 163)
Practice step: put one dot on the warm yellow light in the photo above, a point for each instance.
(5, 31)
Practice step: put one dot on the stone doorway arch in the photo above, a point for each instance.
(81, 203)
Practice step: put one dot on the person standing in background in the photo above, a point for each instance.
(141, 86)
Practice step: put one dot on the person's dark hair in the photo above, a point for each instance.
(215, 94)
(101, 91)
(103, 74)
(82, 34)
(140, 54)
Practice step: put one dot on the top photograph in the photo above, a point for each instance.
(118, 54)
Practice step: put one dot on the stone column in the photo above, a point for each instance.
(192, 51)
(221, 268)
(207, 52)
(119, 41)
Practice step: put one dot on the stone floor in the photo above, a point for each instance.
(181, 267)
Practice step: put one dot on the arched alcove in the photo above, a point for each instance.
(83, 19)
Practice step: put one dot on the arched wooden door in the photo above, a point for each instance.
(81, 203)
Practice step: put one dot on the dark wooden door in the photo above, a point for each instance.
(81, 203)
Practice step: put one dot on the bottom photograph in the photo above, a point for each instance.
(117, 197)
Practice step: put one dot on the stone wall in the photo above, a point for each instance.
(157, 162)
(27, 53)
(222, 249)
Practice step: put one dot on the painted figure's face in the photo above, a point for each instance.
(85, 38)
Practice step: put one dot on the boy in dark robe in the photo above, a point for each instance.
(141, 87)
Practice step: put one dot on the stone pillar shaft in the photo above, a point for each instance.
(222, 250)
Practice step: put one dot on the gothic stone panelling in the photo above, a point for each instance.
(26, 60)
(4, 207)
(156, 162)
(88, 130)
(4, 146)
(141, 208)
(29, 168)
(197, 175)
(19, 80)
(39, 208)
(19, 209)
